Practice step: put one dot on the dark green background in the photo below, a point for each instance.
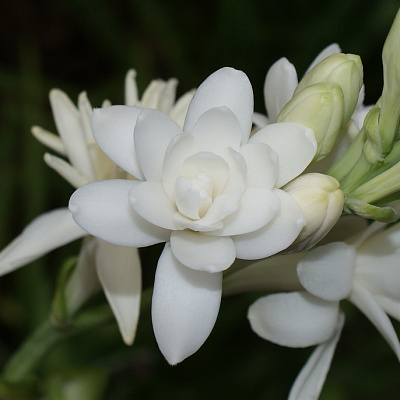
(80, 45)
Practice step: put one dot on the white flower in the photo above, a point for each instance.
(210, 192)
(366, 272)
(117, 268)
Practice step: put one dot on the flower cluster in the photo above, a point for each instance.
(242, 201)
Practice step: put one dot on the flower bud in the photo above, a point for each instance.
(344, 70)
(319, 107)
(321, 202)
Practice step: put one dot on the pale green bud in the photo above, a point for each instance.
(390, 100)
(321, 202)
(345, 70)
(319, 107)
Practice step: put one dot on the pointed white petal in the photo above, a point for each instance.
(85, 113)
(257, 207)
(326, 52)
(120, 274)
(102, 208)
(309, 382)
(49, 139)
(167, 98)
(260, 120)
(217, 129)
(72, 133)
(280, 83)
(83, 283)
(153, 133)
(179, 110)
(72, 175)
(131, 90)
(295, 319)
(294, 144)
(203, 252)
(45, 233)
(150, 201)
(184, 308)
(327, 271)
(113, 130)
(391, 307)
(365, 301)
(226, 87)
(276, 273)
(275, 236)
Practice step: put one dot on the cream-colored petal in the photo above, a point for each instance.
(120, 274)
(49, 139)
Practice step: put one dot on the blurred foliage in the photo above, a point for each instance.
(89, 45)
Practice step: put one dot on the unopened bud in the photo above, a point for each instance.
(345, 70)
(321, 202)
(319, 107)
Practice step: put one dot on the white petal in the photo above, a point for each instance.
(83, 283)
(294, 144)
(150, 201)
(217, 129)
(391, 307)
(280, 83)
(131, 90)
(226, 87)
(295, 319)
(113, 130)
(326, 52)
(276, 273)
(72, 175)
(309, 382)
(120, 274)
(256, 209)
(364, 300)
(276, 236)
(71, 130)
(153, 132)
(260, 120)
(202, 252)
(102, 208)
(262, 165)
(45, 233)
(327, 271)
(49, 139)
(181, 147)
(184, 308)
(385, 242)
(179, 110)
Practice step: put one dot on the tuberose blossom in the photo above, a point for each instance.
(208, 190)
(117, 268)
(366, 271)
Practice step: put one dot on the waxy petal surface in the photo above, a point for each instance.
(102, 208)
(202, 252)
(184, 308)
(295, 319)
(44, 234)
(226, 87)
(113, 130)
(120, 274)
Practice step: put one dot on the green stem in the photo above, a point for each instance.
(25, 361)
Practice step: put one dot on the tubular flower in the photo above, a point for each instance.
(117, 268)
(366, 272)
(210, 192)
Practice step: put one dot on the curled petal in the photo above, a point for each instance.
(279, 86)
(153, 133)
(309, 382)
(294, 144)
(45, 233)
(327, 271)
(102, 208)
(295, 319)
(184, 308)
(366, 302)
(275, 236)
(226, 87)
(120, 274)
(202, 252)
(113, 130)
(216, 130)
